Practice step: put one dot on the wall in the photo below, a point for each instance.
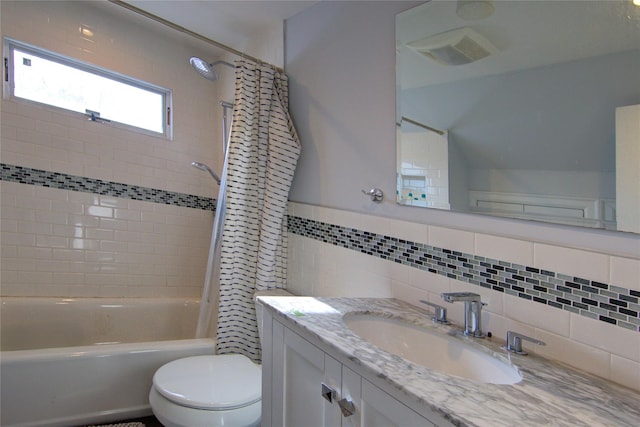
(340, 59)
(527, 106)
(627, 158)
(89, 209)
(536, 160)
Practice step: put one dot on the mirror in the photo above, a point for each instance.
(523, 109)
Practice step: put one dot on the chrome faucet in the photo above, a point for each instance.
(514, 342)
(439, 312)
(472, 311)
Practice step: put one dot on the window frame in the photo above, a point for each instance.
(8, 85)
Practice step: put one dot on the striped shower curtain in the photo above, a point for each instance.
(263, 153)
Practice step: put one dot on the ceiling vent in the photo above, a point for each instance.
(455, 47)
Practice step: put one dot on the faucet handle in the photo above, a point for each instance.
(439, 312)
(460, 296)
(514, 342)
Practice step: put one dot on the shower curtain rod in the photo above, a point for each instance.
(413, 122)
(191, 33)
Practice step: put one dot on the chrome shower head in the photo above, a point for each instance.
(205, 69)
(206, 168)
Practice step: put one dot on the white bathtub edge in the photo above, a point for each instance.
(85, 385)
(89, 351)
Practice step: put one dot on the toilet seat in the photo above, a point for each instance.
(212, 383)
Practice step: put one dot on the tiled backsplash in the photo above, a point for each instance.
(554, 293)
(608, 303)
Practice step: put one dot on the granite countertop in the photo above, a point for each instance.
(550, 393)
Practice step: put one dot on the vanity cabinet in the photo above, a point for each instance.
(303, 385)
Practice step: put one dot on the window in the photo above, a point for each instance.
(45, 77)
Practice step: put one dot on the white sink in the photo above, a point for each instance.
(432, 349)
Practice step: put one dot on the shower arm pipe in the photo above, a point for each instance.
(191, 33)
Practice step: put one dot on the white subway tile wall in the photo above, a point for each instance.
(332, 268)
(61, 242)
(510, 250)
(54, 140)
(72, 244)
(572, 262)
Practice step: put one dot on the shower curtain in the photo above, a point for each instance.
(263, 153)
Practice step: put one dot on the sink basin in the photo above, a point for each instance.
(432, 349)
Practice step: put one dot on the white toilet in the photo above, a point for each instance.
(217, 390)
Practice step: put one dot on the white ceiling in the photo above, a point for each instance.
(230, 22)
(527, 34)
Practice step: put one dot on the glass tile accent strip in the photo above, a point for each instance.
(611, 304)
(64, 181)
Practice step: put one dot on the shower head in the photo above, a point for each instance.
(206, 69)
(206, 168)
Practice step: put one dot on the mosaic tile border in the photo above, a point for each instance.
(607, 303)
(83, 184)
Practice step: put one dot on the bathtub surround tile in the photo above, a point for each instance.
(164, 255)
(545, 282)
(84, 182)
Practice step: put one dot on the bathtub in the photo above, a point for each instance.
(68, 362)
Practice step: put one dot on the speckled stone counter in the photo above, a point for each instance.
(550, 394)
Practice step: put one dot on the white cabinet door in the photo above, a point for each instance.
(299, 370)
(303, 375)
(333, 380)
(351, 392)
(381, 410)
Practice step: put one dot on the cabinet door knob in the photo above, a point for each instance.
(347, 407)
(328, 393)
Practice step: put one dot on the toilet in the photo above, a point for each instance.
(216, 390)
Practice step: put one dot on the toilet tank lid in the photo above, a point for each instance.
(215, 383)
